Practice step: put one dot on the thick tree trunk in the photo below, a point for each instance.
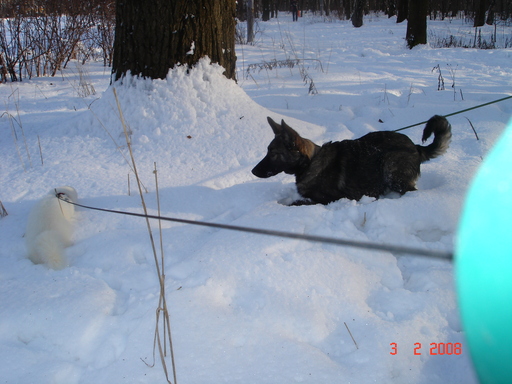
(265, 16)
(347, 7)
(357, 16)
(480, 8)
(250, 21)
(154, 36)
(417, 23)
(402, 9)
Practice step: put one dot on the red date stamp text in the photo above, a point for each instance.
(433, 349)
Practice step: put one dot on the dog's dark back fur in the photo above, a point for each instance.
(372, 165)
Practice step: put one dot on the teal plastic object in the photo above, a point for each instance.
(483, 266)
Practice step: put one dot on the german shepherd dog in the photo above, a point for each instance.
(373, 165)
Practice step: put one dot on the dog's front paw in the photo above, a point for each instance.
(303, 202)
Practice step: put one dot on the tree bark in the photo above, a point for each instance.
(402, 9)
(265, 16)
(417, 23)
(480, 8)
(490, 13)
(250, 21)
(347, 8)
(357, 16)
(152, 37)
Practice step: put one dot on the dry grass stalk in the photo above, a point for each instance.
(17, 120)
(162, 305)
(40, 150)
(14, 137)
(473, 128)
(350, 333)
(3, 211)
(118, 147)
(85, 87)
(17, 105)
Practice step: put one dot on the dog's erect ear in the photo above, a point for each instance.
(286, 128)
(289, 134)
(283, 130)
(275, 127)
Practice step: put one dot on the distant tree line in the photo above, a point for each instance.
(13, 8)
(39, 37)
(481, 11)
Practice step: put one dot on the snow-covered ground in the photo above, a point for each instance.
(244, 308)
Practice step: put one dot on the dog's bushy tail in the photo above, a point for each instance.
(442, 130)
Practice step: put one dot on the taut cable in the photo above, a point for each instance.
(397, 249)
(458, 112)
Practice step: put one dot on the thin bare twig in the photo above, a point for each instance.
(162, 305)
(350, 333)
(40, 150)
(472, 127)
(3, 211)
